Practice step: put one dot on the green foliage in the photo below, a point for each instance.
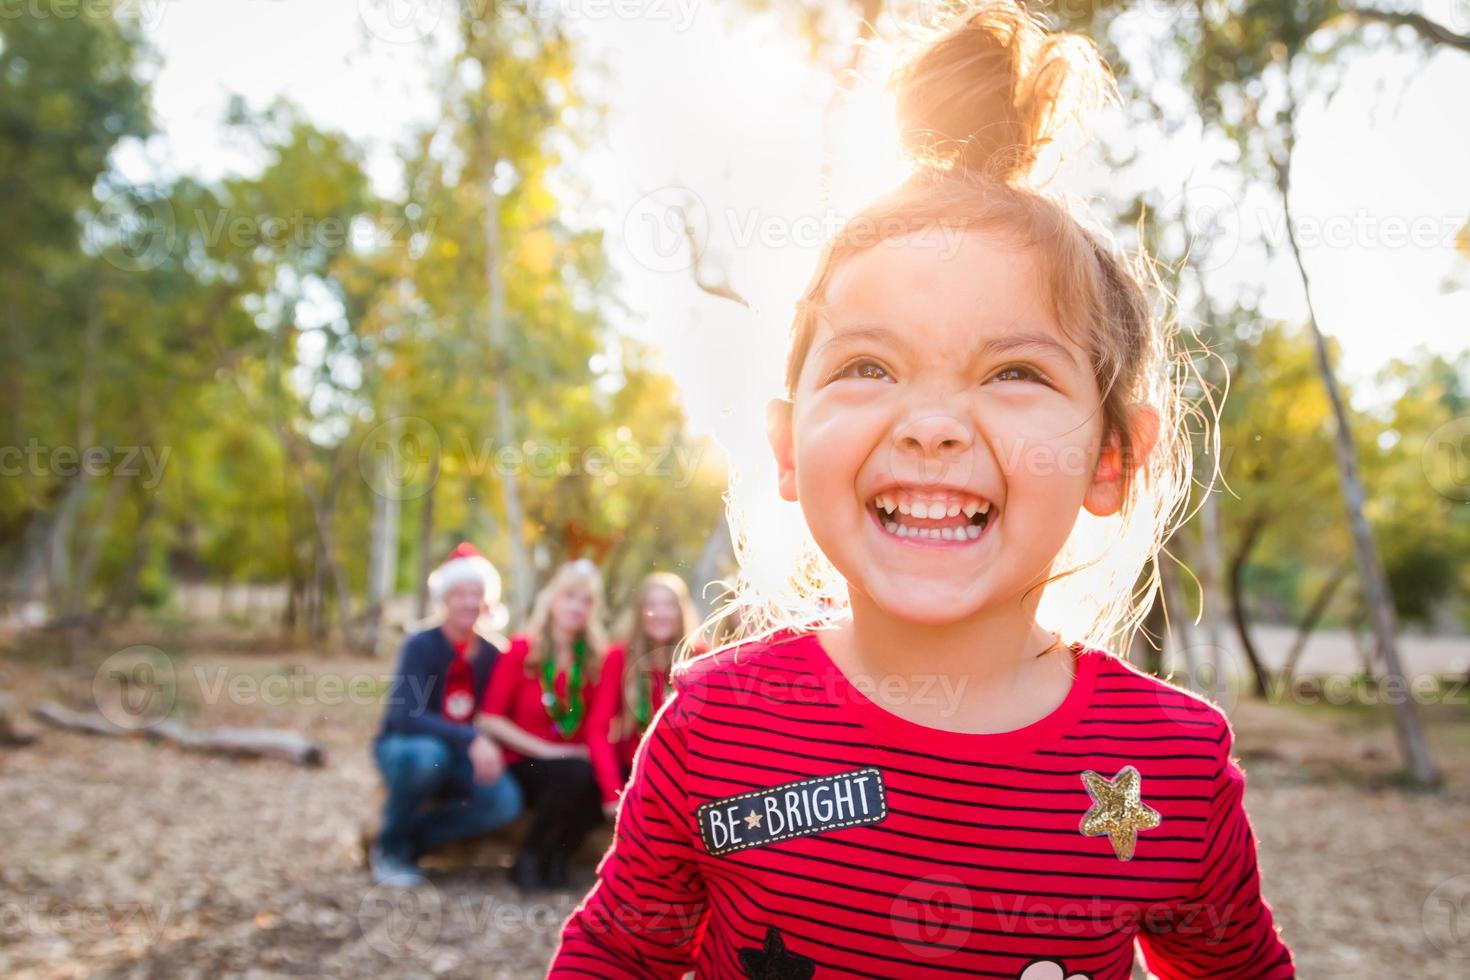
(252, 333)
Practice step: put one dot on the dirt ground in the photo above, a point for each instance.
(126, 859)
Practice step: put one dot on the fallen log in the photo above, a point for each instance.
(255, 743)
(14, 731)
(251, 743)
(87, 722)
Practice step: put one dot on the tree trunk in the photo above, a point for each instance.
(1250, 535)
(1180, 628)
(1309, 622)
(1210, 601)
(124, 593)
(505, 424)
(383, 547)
(1376, 596)
(426, 539)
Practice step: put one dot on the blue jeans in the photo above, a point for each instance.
(433, 798)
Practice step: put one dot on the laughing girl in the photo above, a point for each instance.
(925, 780)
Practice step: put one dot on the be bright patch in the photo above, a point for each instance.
(791, 810)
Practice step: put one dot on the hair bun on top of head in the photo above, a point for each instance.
(993, 88)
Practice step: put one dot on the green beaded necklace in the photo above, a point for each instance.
(566, 715)
(643, 710)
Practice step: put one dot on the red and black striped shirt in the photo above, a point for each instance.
(780, 823)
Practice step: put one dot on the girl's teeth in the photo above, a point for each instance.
(952, 510)
(903, 507)
(970, 532)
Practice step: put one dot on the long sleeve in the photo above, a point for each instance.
(1225, 930)
(607, 702)
(647, 912)
(509, 673)
(408, 710)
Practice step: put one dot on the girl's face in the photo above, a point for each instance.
(944, 432)
(662, 616)
(571, 609)
(464, 604)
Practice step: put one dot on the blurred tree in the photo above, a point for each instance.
(69, 93)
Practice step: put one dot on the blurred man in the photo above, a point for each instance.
(445, 780)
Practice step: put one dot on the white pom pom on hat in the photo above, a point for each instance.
(465, 564)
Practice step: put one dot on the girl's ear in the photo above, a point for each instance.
(1105, 495)
(783, 446)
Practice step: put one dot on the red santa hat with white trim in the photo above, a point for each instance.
(465, 564)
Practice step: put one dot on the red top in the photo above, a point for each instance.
(611, 760)
(778, 822)
(515, 695)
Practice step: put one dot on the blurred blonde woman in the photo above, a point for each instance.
(635, 679)
(537, 710)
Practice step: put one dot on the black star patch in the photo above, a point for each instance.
(773, 962)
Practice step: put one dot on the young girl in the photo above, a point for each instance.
(537, 709)
(635, 677)
(933, 784)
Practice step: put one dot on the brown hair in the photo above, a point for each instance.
(641, 654)
(977, 104)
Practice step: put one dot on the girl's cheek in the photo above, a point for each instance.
(855, 409)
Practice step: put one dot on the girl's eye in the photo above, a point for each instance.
(1019, 372)
(865, 370)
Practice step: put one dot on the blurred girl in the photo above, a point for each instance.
(536, 709)
(635, 677)
(916, 776)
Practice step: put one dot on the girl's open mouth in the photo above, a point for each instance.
(932, 517)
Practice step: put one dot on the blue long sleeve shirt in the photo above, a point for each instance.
(415, 704)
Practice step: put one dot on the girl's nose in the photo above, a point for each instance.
(934, 435)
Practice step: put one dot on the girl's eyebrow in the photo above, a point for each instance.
(989, 347)
(1008, 343)
(865, 331)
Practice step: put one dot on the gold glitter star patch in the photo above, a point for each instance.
(1118, 810)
